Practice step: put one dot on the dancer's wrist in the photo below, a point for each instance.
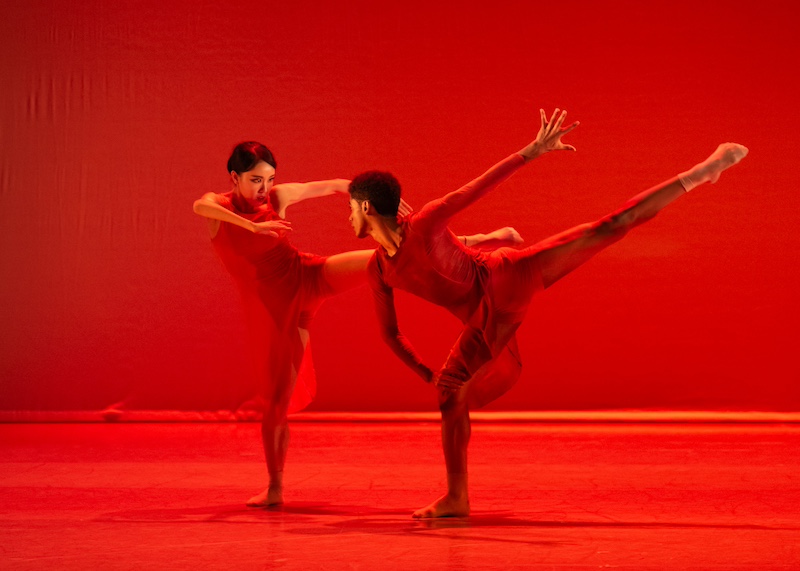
(532, 151)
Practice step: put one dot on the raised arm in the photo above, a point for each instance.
(547, 139)
(383, 297)
(213, 207)
(290, 193)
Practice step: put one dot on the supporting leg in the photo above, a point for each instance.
(456, 432)
(275, 425)
(275, 437)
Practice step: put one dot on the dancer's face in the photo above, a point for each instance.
(254, 185)
(358, 219)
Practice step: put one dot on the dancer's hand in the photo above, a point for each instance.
(404, 209)
(449, 381)
(549, 136)
(274, 228)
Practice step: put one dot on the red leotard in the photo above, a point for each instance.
(281, 289)
(489, 293)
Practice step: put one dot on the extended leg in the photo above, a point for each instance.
(559, 255)
(455, 439)
(347, 270)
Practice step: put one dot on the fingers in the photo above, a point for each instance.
(550, 129)
(553, 126)
(559, 121)
(570, 128)
(448, 381)
(564, 132)
(274, 228)
(404, 208)
(544, 120)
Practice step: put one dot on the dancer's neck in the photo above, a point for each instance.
(388, 233)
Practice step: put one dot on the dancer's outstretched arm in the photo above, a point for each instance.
(547, 139)
(289, 193)
(216, 207)
(213, 207)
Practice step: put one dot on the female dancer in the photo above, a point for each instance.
(281, 287)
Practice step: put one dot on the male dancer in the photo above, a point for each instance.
(489, 293)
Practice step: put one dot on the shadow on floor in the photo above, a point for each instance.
(365, 519)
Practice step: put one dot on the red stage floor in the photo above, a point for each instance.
(170, 496)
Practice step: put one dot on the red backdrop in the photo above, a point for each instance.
(116, 116)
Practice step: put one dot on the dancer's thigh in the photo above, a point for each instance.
(559, 255)
(347, 270)
(514, 279)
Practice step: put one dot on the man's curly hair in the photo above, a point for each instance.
(380, 188)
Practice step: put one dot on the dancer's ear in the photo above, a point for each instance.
(366, 207)
(234, 177)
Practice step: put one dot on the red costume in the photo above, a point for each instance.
(281, 289)
(489, 293)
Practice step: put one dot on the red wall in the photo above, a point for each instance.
(115, 118)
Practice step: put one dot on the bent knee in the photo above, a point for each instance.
(454, 404)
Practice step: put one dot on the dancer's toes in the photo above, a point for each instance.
(269, 497)
(737, 151)
(446, 506)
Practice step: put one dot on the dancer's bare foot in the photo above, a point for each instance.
(726, 155)
(269, 497)
(502, 237)
(446, 506)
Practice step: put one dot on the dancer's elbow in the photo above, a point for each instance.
(616, 224)
(390, 335)
(208, 199)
